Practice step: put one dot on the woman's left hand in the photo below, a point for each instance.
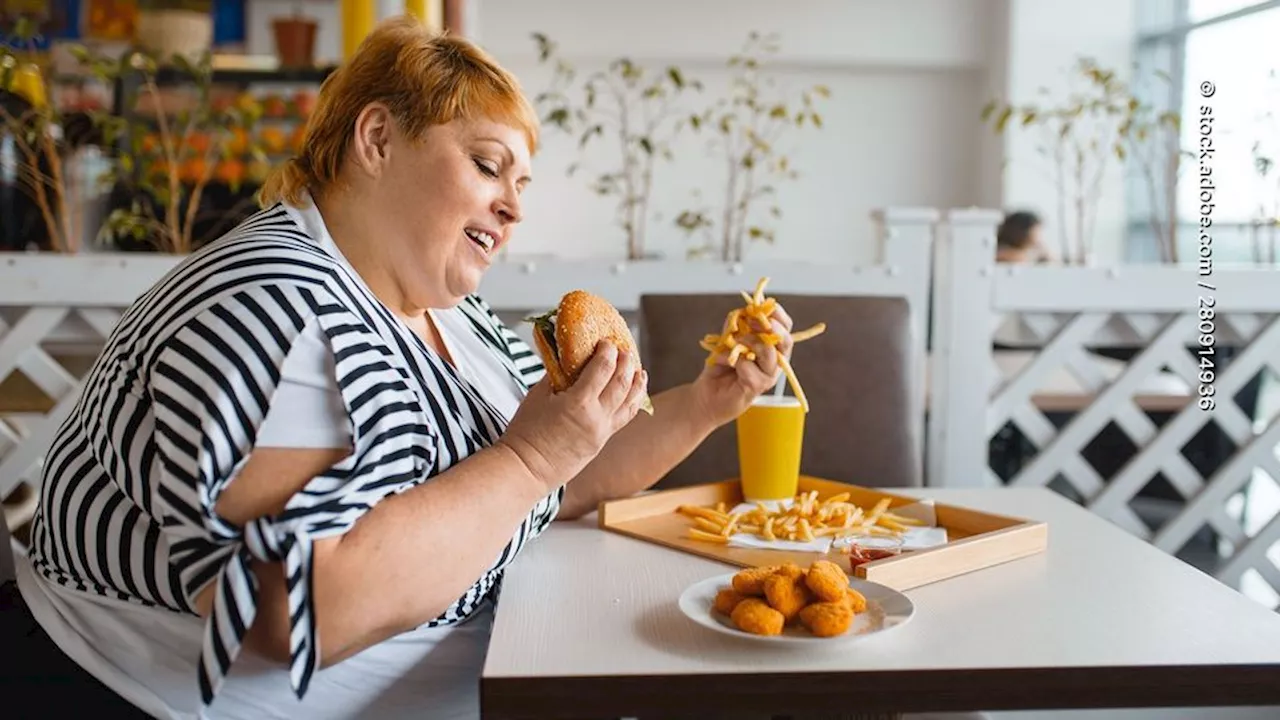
(724, 392)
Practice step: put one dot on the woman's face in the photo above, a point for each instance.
(455, 198)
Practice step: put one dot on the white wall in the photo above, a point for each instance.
(908, 81)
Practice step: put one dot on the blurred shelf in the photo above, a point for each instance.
(253, 76)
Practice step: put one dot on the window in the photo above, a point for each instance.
(1227, 43)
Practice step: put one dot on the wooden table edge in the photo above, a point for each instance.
(882, 691)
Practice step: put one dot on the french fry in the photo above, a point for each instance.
(697, 534)
(904, 519)
(806, 532)
(707, 525)
(892, 524)
(708, 513)
(876, 512)
(730, 526)
(812, 332)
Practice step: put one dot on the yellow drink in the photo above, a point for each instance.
(770, 437)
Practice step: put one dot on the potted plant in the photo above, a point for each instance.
(38, 133)
(175, 27)
(295, 39)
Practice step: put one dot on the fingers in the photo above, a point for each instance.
(783, 332)
(615, 393)
(766, 358)
(636, 394)
(781, 316)
(599, 370)
(542, 388)
(752, 377)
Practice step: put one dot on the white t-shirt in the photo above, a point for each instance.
(149, 656)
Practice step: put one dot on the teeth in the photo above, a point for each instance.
(483, 238)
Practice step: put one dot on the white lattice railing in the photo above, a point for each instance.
(55, 312)
(1196, 341)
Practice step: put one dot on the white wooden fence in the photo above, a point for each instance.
(1197, 338)
(59, 308)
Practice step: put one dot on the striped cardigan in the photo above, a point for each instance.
(169, 413)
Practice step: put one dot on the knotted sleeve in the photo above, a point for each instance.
(212, 384)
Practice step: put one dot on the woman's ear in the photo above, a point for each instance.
(371, 143)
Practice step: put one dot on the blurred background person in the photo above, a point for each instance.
(1018, 240)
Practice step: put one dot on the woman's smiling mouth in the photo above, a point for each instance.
(486, 241)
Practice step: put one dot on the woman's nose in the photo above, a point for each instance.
(509, 208)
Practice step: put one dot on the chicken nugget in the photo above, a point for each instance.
(786, 595)
(827, 619)
(827, 581)
(754, 615)
(727, 599)
(857, 603)
(790, 570)
(751, 581)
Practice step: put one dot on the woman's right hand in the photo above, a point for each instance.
(557, 434)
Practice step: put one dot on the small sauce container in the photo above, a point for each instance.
(868, 548)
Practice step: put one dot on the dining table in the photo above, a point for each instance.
(588, 625)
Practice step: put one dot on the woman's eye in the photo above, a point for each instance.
(487, 168)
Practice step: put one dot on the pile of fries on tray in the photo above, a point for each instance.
(753, 321)
(806, 519)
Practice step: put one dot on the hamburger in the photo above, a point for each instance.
(567, 336)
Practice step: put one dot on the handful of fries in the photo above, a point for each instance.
(808, 518)
(753, 321)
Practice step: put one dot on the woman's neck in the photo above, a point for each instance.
(350, 227)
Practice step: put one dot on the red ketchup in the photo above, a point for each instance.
(867, 550)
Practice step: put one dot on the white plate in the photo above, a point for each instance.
(886, 608)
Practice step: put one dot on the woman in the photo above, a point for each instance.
(307, 454)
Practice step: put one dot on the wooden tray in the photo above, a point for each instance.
(976, 539)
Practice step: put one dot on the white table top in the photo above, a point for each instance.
(589, 618)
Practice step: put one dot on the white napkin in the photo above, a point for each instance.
(914, 538)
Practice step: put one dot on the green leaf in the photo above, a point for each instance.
(816, 118)
(646, 145)
(1003, 120)
(545, 46)
(586, 136)
(988, 110)
(1119, 152)
(676, 77)
(558, 117)
(822, 91)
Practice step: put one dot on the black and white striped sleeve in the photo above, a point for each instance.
(213, 381)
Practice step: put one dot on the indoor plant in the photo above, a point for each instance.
(745, 127)
(633, 107)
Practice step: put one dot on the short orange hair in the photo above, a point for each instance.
(424, 78)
